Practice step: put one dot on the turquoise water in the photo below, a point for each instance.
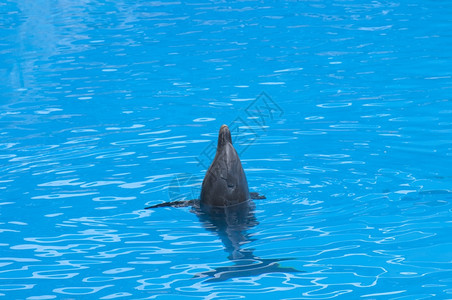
(340, 112)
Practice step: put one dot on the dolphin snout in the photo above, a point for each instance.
(224, 136)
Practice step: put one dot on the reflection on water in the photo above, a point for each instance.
(232, 224)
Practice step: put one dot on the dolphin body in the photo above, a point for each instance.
(225, 208)
(225, 183)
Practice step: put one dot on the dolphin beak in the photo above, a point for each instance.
(224, 136)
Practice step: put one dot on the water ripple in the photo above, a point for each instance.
(80, 290)
(105, 106)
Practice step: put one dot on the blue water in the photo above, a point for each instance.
(340, 112)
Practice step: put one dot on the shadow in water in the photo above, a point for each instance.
(231, 224)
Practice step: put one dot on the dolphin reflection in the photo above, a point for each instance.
(232, 224)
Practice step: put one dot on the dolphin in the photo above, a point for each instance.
(225, 207)
(225, 183)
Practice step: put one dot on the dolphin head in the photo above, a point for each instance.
(224, 137)
(225, 182)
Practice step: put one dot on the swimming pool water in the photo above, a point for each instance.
(340, 112)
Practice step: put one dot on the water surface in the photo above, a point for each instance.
(340, 112)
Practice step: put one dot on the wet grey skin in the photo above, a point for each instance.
(225, 181)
